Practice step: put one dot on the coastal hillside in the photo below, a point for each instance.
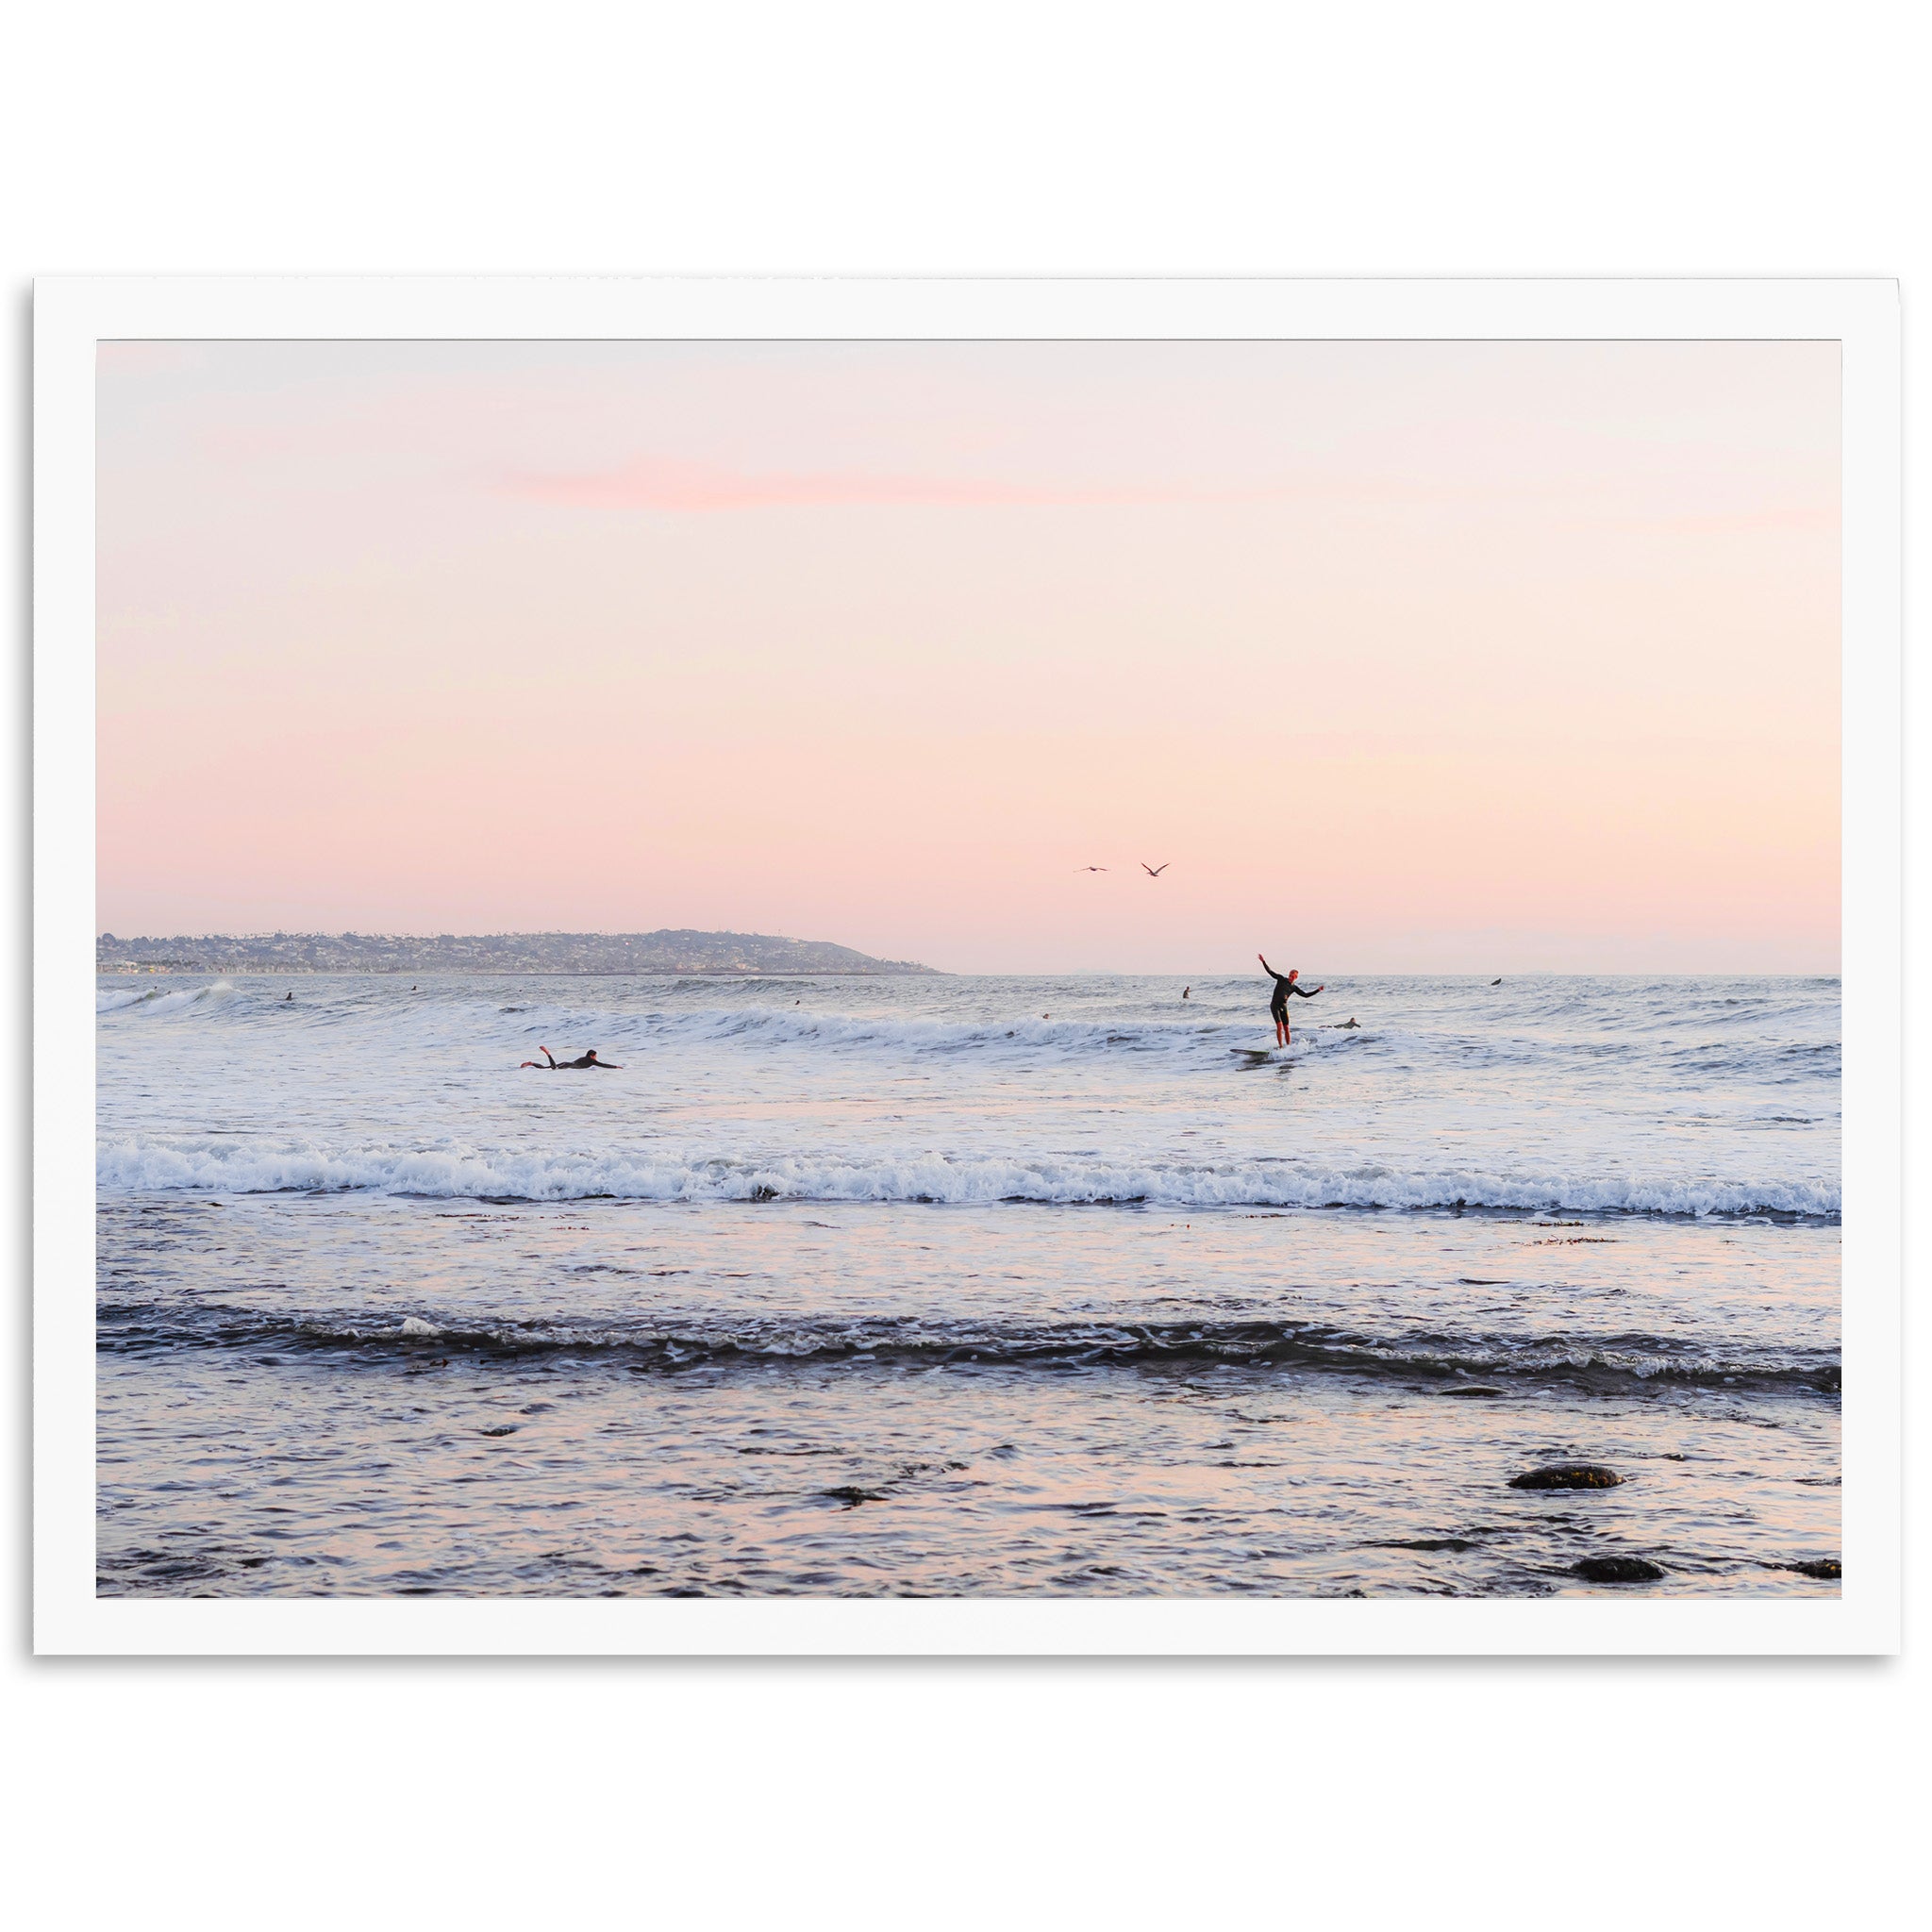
(513, 952)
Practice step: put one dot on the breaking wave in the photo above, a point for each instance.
(143, 1163)
(160, 999)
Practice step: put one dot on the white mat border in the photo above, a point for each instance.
(73, 314)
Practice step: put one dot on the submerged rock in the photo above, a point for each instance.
(1616, 1569)
(1567, 1475)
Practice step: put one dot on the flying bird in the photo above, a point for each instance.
(1089, 868)
(1154, 872)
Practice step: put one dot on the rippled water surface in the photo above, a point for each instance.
(965, 1286)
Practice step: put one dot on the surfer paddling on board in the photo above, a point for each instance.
(550, 1065)
(1277, 1003)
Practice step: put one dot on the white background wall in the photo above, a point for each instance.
(1686, 138)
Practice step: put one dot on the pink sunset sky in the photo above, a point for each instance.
(1401, 657)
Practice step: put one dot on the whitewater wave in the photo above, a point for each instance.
(143, 1163)
(1447, 1358)
(160, 999)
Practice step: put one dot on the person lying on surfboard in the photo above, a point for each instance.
(550, 1065)
(1277, 1003)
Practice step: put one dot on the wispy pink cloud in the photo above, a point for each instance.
(658, 483)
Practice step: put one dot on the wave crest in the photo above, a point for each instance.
(143, 1163)
(159, 999)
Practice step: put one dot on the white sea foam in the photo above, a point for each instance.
(140, 1163)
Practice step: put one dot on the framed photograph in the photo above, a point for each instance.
(1224, 960)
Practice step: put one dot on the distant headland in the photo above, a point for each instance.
(720, 953)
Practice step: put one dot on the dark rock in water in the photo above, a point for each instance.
(852, 1496)
(1616, 1569)
(1567, 1475)
(507, 1429)
(1830, 1568)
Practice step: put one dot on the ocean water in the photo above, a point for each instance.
(965, 1286)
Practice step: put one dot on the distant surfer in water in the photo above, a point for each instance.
(1277, 1003)
(550, 1065)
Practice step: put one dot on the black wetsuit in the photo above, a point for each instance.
(1277, 1002)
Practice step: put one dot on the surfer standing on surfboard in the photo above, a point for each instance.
(1277, 1003)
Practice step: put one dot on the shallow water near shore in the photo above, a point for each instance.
(901, 1288)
